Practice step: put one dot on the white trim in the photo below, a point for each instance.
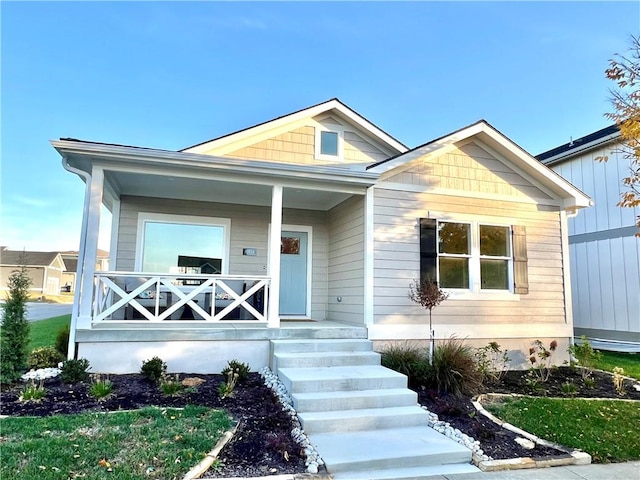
(144, 217)
(466, 194)
(566, 270)
(478, 330)
(115, 227)
(475, 290)
(369, 245)
(308, 229)
(288, 120)
(339, 131)
(275, 231)
(581, 149)
(90, 256)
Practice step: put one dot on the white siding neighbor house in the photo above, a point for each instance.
(605, 253)
(313, 225)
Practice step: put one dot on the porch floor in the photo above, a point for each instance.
(185, 330)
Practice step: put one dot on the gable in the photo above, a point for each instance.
(296, 138)
(298, 146)
(469, 167)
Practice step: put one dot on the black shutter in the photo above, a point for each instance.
(428, 249)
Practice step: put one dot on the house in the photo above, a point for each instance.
(358, 216)
(46, 269)
(70, 259)
(604, 251)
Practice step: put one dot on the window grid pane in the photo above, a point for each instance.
(494, 274)
(453, 238)
(454, 272)
(494, 241)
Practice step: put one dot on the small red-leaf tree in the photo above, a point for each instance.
(428, 294)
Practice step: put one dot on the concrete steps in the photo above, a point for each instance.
(361, 417)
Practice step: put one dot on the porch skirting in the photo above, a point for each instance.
(196, 350)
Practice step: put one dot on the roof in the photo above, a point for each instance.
(31, 259)
(592, 140)
(333, 104)
(70, 264)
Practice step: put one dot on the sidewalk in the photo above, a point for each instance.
(610, 471)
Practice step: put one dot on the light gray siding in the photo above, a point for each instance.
(397, 260)
(346, 261)
(249, 228)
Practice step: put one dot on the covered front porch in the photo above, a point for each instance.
(236, 277)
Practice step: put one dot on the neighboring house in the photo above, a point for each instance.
(605, 253)
(70, 259)
(319, 221)
(45, 269)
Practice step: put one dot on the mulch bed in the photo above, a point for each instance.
(263, 444)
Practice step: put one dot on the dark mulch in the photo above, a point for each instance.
(257, 449)
(263, 443)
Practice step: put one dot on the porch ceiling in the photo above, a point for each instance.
(185, 188)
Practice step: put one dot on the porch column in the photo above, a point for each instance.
(274, 257)
(89, 247)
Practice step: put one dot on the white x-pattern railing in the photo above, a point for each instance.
(151, 295)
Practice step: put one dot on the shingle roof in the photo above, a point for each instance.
(31, 259)
(578, 143)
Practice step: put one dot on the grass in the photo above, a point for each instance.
(144, 444)
(629, 361)
(43, 332)
(608, 430)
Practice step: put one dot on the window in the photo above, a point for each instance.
(182, 244)
(329, 144)
(473, 256)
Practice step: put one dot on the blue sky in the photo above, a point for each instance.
(169, 75)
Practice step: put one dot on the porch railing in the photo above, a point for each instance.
(136, 296)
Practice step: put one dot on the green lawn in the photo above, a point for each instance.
(152, 443)
(44, 332)
(608, 430)
(629, 361)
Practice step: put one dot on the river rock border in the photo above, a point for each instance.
(313, 461)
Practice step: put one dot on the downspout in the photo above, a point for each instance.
(71, 351)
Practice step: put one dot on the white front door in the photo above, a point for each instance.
(293, 273)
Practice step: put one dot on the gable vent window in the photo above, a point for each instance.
(329, 143)
(473, 256)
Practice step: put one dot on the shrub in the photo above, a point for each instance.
(454, 368)
(408, 359)
(540, 359)
(44, 357)
(226, 389)
(75, 371)
(569, 388)
(242, 369)
(585, 355)
(492, 362)
(62, 340)
(154, 370)
(171, 386)
(33, 392)
(14, 331)
(100, 388)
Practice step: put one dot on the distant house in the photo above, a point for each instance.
(46, 269)
(605, 253)
(318, 222)
(70, 259)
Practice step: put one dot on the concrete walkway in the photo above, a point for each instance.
(617, 471)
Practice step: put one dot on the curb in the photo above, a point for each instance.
(571, 457)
